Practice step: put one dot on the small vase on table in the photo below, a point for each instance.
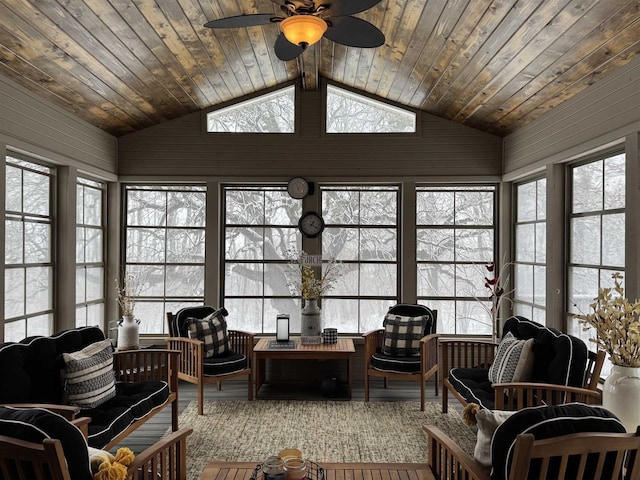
(311, 324)
(128, 333)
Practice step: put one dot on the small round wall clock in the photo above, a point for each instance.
(311, 224)
(298, 188)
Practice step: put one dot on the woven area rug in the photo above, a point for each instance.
(325, 431)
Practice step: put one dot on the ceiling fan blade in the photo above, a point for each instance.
(285, 50)
(339, 8)
(354, 32)
(243, 21)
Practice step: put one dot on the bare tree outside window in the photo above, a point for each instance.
(270, 113)
(90, 281)
(596, 234)
(348, 112)
(362, 233)
(260, 228)
(28, 250)
(165, 249)
(531, 248)
(455, 234)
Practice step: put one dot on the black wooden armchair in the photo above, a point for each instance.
(195, 367)
(564, 370)
(38, 444)
(574, 441)
(417, 368)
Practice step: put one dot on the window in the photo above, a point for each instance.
(352, 113)
(361, 232)
(531, 250)
(596, 233)
(270, 113)
(260, 229)
(90, 286)
(165, 249)
(455, 238)
(28, 250)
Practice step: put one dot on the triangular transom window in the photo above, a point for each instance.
(270, 113)
(348, 112)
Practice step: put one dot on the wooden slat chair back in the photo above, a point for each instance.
(589, 454)
(19, 459)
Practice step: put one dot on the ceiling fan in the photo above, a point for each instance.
(304, 22)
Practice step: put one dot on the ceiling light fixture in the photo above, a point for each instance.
(303, 30)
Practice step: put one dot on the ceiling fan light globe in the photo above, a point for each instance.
(303, 29)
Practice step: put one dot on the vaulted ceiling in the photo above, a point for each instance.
(495, 65)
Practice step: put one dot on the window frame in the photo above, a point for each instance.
(492, 187)
(169, 302)
(51, 220)
(85, 182)
(367, 187)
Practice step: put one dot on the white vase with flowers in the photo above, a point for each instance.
(128, 326)
(615, 322)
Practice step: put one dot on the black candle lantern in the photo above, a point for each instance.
(282, 328)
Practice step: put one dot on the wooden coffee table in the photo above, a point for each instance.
(344, 349)
(333, 471)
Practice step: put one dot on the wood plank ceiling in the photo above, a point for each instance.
(495, 65)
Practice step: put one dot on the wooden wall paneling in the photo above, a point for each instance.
(469, 48)
(375, 60)
(596, 117)
(508, 61)
(86, 37)
(159, 51)
(450, 47)
(53, 42)
(445, 25)
(543, 69)
(31, 123)
(486, 52)
(606, 58)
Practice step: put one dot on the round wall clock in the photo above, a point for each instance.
(311, 224)
(298, 187)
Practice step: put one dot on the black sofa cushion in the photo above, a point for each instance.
(224, 363)
(132, 402)
(30, 372)
(37, 424)
(560, 359)
(390, 363)
(548, 422)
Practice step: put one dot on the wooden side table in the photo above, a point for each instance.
(344, 349)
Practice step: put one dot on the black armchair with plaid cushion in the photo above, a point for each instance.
(209, 352)
(406, 348)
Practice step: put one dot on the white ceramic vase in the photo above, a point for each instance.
(128, 333)
(621, 395)
(311, 324)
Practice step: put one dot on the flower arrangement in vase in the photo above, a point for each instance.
(304, 282)
(128, 326)
(616, 324)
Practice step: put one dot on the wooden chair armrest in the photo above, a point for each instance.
(447, 460)
(430, 337)
(518, 395)
(83, 424)
(67, 411)
(377, 331)
(243, 333)
(429, 351)
(372, 341)
(166, 459)
(147, 364)
(460, 341)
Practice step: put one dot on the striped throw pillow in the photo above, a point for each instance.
(513, 361)
(88, 375)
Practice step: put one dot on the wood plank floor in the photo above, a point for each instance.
(156, 427)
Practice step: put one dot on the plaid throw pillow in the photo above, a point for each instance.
(212, 331)
(402, 335)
